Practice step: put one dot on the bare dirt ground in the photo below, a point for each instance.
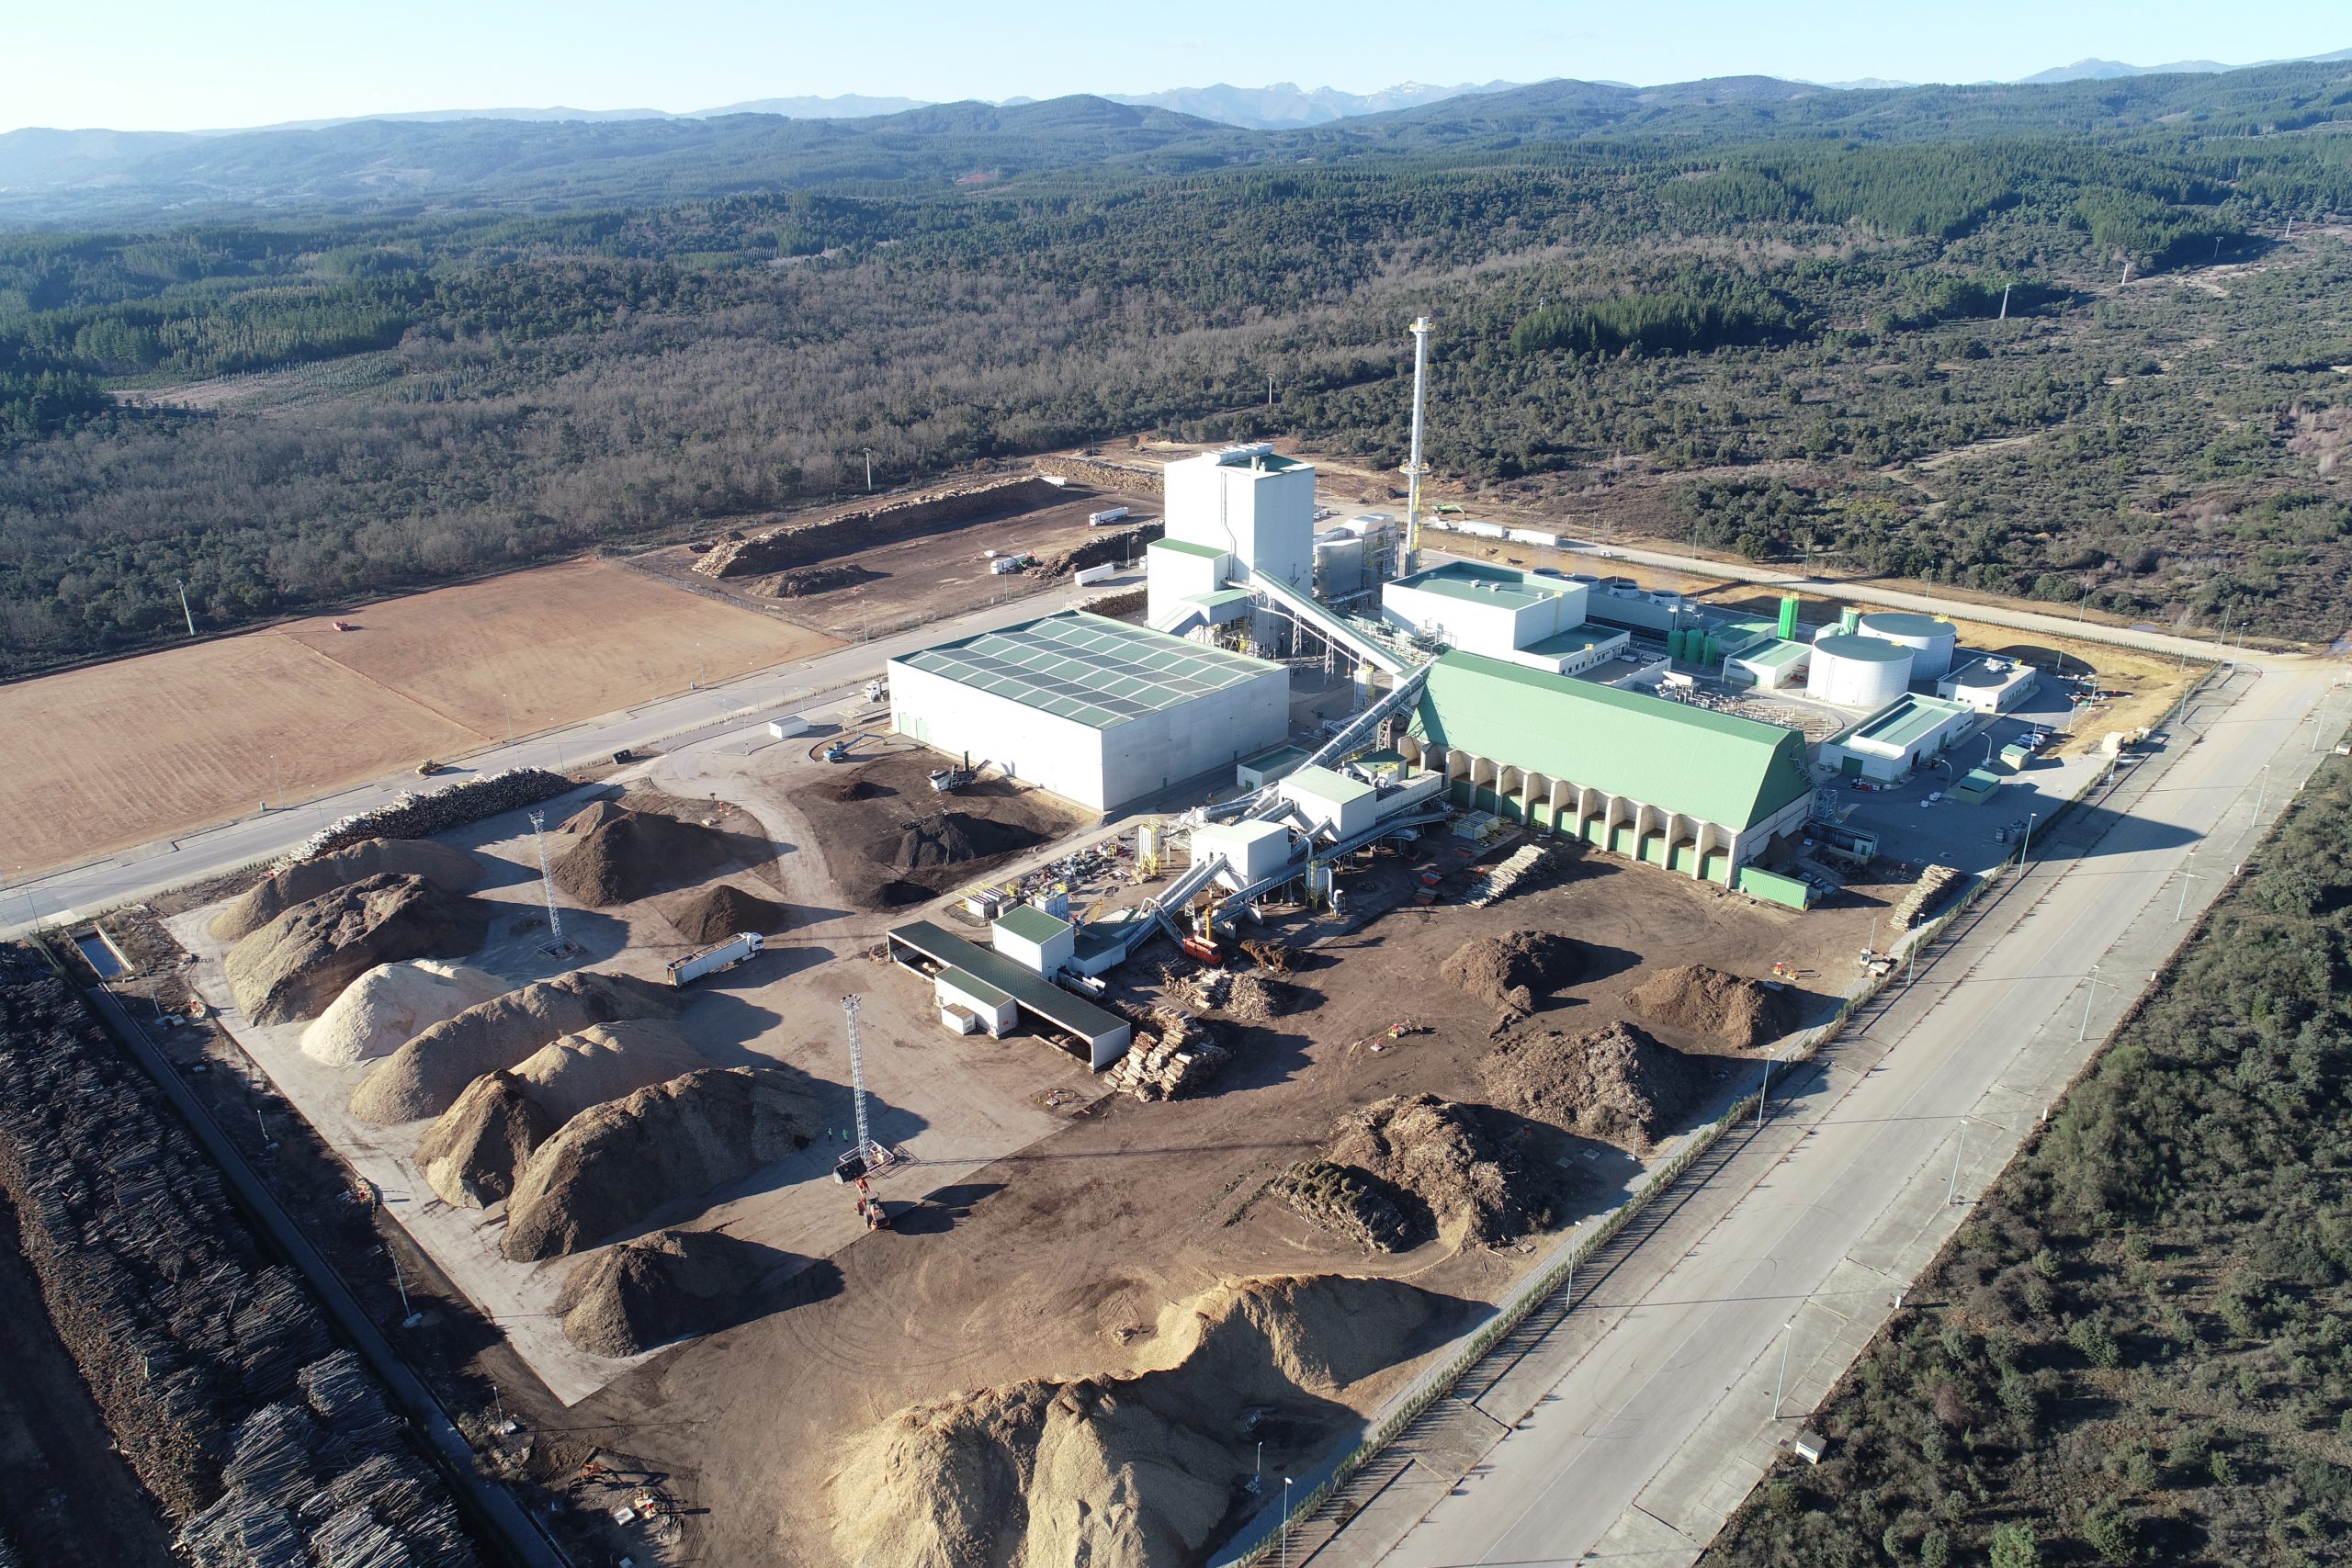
(924, 578)
(123, 754)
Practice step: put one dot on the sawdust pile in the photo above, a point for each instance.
(424, 1076)
(613, 1164)
(630, 854)
(1616, 1083)
(859, 789)
(949, 838)
(1446, 1156)
(1514, 972)
(1350, 1205)
(591, 816)
(293, 968)
(1706, 1000)
(389, 1005)
(472, 1153)
(472, 1150)
(452, 870)
(1123, 1472)
(718, 912)
(1253, 999)
(656, 1288)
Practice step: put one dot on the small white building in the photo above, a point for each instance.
(1775, 666)
(1096, 710)
(1990, 684)
(1898, 740)
(1039, 943)
(995, 1009)
(1253, 849)
(1330, 805)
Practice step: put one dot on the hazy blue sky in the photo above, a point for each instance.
(177, 64)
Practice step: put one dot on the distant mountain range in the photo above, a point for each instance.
(1285, 104)
(2113, 70)
(546, 159)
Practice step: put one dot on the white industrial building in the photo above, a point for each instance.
(1097, 710)
(1901, 738)
(1500, 612)
(1857, 672)
(1990, 684)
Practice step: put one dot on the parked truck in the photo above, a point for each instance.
(711, 960)
(1107, 516)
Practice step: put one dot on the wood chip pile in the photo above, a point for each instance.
(414, 815)
(1169, 1058)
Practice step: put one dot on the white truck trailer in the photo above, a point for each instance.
(711, 960)
(1107, 516)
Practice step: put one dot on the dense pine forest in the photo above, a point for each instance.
(2137, 1349)
(1891, 331)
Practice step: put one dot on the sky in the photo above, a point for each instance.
(180, 65)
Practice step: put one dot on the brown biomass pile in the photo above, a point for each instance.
(718, 912)
(656, 1288)
(452, 870)
(1348, 1203)
(594, 815)
(948, 837)
(293, 968)
(613, 1164)
(1253, 999)
(471, 1152)
(1706, 1000)
(1615, 1084)
(424, 1076)
(1446, 1156)
(634, 853)
(1121, 1471)
(1513, 973)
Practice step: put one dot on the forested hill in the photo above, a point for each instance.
(1888, 329)
(404, 166)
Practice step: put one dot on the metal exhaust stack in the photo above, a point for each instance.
(1412, 560)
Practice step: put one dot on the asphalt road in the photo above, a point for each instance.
(694, 715)
(1553, 1488)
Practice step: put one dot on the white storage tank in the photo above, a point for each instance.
(1929, 640)
(1857, 672)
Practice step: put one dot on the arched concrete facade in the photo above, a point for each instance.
(1636, 828)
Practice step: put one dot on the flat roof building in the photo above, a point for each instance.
(1907, 733)
(1527, 617)
(1098, 710)
(1672, 783)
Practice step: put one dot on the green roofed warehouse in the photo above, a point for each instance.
(1098, 710)
(1681, 786)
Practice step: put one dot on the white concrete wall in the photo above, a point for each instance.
(1266, 517)
(1148, 754)
(1035, 747)
(1175, 575)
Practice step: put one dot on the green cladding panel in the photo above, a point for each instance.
(1677, 757)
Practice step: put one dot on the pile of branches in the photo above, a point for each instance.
(212, 1367)
(415, 816)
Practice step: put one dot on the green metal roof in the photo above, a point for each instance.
(1576, 640)
(1032, 924)
(1325, 784)
(1275, 756)
(1726, 770)
(971, 984)
(1092, 670)
(1186, 547)
(1779, 655)
(1033, 993)
(1475, 583)
(1906, 720)
(1220, 599)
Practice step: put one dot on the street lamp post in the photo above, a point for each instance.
(2261, 794)
(1951, 1188)
(1781, 1383)
(1285, 1521)
(2090, 989)
(2027, 842)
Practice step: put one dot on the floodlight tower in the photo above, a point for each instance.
(1412, 556)
(869, 1156)
(546, 880)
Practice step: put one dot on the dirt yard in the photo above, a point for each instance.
(923, 578)
(124, 753)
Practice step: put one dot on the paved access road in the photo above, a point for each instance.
(1702, 1329)
(693, 716)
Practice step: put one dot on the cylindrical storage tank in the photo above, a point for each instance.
(1849, 621)
(1929, 640)
(1674, 644)
(1712, 652)
(1788, 617)
(1857, 672)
